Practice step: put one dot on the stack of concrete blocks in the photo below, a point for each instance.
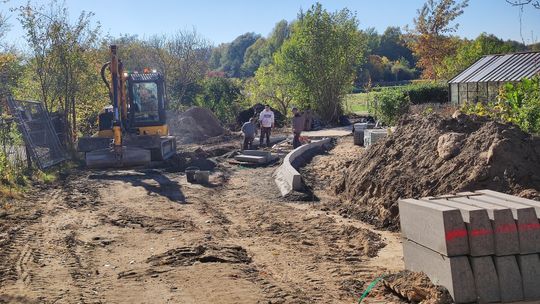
(482, 246)
(254, 156)
(358, 133)
(371, 136)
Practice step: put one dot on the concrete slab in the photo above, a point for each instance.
(510, 282)
(262, 153)
(513, 198)
(486, 280)
(529, 266)
(527, 222)
(480, 231)
(447, 232)
(251, 159)
(454, 273)
(504, 227)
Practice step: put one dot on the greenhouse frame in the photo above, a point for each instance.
(482, 81)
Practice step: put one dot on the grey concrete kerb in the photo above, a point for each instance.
(287, 178)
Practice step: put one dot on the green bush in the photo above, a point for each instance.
(390, 105)
(427, 93)
(517, 103)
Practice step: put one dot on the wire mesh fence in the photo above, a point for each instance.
(37, 132)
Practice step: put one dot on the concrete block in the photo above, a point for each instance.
(526, 219)
(454, 273)
(510, 282)
(486, 280)
(513, 198)
(251, 159)
(371, 136)
(529, 266)
(479, 229)
(504, 227)
(435, 226)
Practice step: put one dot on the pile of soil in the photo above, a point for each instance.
(194, 125)
(431, 155)
(416, 288)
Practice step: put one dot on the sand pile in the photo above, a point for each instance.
(433, 156)
(194, 125)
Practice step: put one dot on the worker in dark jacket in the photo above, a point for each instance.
(250, 130)
(297, 127)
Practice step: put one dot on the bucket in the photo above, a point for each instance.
(190, 174)
(202, 177)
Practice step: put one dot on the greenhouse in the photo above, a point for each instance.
(481, 81)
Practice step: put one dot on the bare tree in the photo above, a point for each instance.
(190, 54)
(522, 3)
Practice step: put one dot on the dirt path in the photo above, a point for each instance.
(150, 237)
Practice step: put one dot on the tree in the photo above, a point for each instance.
(470, 51)
(260, 53)
(183, 58)
(392, 45)
(321, 57)
(429, 39)
(60, 57)
(522, 3)
(231, 56)
(220, 95)
(189, 56)
(271, 86)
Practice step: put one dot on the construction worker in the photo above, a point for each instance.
(266, 119)
(298, 122)
(250, 130)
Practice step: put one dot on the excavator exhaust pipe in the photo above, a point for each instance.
(108, 158)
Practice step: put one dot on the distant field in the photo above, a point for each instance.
(357, 103)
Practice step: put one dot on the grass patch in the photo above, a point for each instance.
(357, 103)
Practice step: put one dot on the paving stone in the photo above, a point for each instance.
(480, 231)
(529, 266)
(454, 273)
(486, 280)
(447, 232)
(510, 282)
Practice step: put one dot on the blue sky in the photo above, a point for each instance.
(222, 21)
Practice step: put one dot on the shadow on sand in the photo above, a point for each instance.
(147, 179)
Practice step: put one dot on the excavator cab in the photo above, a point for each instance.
(132, 131)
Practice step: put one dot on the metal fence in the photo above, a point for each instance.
(35, 126)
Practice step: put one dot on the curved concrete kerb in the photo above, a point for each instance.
(287, 178)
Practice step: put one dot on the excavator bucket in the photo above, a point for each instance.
(108, 158)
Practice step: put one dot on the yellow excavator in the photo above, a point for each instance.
(132, 131)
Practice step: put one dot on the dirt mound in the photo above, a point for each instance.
(417, 288)
(194, 125)
(433, 156)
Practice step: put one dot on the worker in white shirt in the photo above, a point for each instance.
(266, 119)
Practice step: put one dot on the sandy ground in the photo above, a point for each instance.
(150, 237)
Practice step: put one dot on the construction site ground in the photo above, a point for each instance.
(148, 236)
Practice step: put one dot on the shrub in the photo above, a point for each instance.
(517, 103)
(427, 93)
(389, 105)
